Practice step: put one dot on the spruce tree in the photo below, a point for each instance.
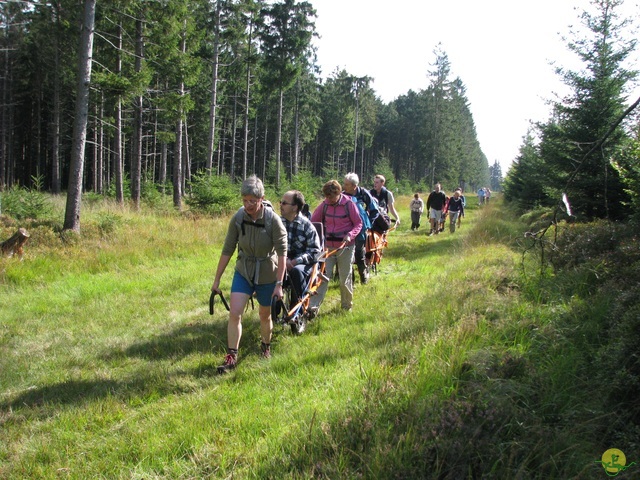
(581, 119)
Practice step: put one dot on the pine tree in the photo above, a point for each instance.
(495, 177)
(286, 40)
(526, 182)
(586, 114)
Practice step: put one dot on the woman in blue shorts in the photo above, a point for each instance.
(261, 238)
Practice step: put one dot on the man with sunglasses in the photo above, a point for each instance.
(302, 241)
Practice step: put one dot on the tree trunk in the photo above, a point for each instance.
(214, 90)
(74, 195)
(177, 154)
(234, 128)
(100, 126)
(279, 138)
(94, 177)
(56, 186)
(355, 133)
(136, 158)
(117, 152)
(4, 113)
(255, 143)
(118, 162)
(296, 136)
(177, 161)
(246, 106)
(264, 145)
(186, 164)
(164, 153)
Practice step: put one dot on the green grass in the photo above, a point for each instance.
(447, 367)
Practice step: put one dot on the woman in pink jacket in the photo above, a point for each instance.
(342, 224)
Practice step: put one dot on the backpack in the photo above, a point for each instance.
(267, 218)
(267, 224)
(305, 211)
(382, 222)
(382, 200)
(369, 204)
(366, 222)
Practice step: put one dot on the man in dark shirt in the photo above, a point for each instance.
(384, 197)
(435, 204)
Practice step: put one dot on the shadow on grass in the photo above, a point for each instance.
(148, 380)
(183, 341)
(69, 392)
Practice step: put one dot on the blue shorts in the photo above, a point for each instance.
(263, 292)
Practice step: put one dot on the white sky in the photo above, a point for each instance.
(500, 49)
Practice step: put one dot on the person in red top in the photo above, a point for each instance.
(342, 224)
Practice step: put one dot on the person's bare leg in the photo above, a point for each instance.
(238, 302)
(266, 324)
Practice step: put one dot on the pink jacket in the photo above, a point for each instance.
(340, 221)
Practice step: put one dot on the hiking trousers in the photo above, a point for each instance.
(343, 258)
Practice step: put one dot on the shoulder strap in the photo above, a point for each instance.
(345, 205)
(385, 193)
(267, 219)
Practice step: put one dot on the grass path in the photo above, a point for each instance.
(108, 354)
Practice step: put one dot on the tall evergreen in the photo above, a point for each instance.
(583, 117)
(495, 176)
(183, 85)
(286, 35)
(526, 183)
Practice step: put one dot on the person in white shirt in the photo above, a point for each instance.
(417, 207)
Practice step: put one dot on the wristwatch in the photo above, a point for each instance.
(279, 282)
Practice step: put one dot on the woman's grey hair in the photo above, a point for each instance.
(352, 178)
(252, 186)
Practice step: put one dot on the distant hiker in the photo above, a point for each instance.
(435, 204)
(416, 206)
(342, 224)
(464, 205)
(259, 234)
(481, 196)
(384, 197)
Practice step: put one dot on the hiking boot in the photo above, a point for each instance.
(230, 362)
(266, 350)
